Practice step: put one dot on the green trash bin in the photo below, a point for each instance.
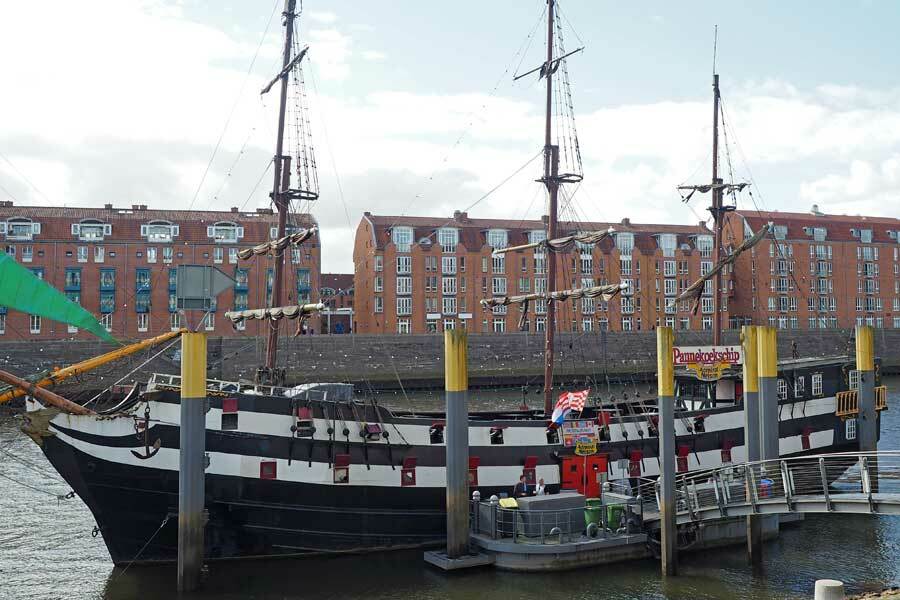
(614, 514)
(593, 511)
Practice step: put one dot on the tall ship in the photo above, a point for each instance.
(296, 470)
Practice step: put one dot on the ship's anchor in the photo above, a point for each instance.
(148, 453)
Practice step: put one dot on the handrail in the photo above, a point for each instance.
(847, 404)
(881, 398)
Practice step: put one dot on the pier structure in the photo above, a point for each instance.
(751, 432)
(666, 385)
(867, 421)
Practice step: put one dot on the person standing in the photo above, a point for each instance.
(521, 489)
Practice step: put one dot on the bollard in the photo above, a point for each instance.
(666, 406)
(829, 589)
(867, 422)
(751, 435)
(456, 385)
(767, 365)
(192, 468)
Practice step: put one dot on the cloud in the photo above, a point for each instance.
(325, 17)
(373, 55)
(139, 127)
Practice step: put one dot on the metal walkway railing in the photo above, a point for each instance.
(853, 482)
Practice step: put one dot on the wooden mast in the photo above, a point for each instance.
(280, 187)
(717, 213)
(551, 168)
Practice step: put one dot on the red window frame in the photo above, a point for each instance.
(408, 472)
(268, 469)
(474, 461)
(341, 469)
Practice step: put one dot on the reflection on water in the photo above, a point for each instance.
(46, 551)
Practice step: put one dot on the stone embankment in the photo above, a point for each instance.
(417, 360)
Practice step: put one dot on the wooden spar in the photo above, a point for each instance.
(275, 313)
(88, 365)
(563, 243)
(551, 169)
(717, 214)
(284, 72)
(43, 395)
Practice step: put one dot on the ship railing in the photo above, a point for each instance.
(788, 482)
(554, 527)
(847, 402)
(216, 386)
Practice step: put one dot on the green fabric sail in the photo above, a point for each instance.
(22, 290)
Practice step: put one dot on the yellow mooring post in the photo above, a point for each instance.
(867, 421)
(767, 353)
(665, 374)
(192, 468)
(456, 385)
(751, 434)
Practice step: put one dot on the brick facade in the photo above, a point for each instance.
(337, 296)
(447, 280)
(421, 275)
(117, 263)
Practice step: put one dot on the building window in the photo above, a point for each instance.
(498, 286)
(499, 325)
(379, 283)
(209, 321)
(627, 324)
(142, 280)
(159, 231)
(404, 306)
(667, 243)
(379, 304)
(448, 285)
(379, 263)
(27, 254)
(404, 265)
(218, 255)
(853, 379)
(91, 230)
(73, 280)
(448, 305)
(403, 326)
(850, 429)
(151, 255)
(625, 243)
(106, 321)
(225, 232)
(175, 321)
(799, 386)
(143, 321)
(82, 254)
(34, 322)
(448, 238)
(497, 238)
(20, 228)
(304, 285)
(705, 245)
(448, 264)
(817, 384)
(404, 285)
(2, 324)
(167, 254)
(99, 254)
(402, 238)
(498, 264)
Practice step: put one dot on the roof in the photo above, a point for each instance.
(336, 281)
(471, 230)
(838, 226)
(56, 220)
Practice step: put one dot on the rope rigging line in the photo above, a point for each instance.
(233, 107)
(37, 489)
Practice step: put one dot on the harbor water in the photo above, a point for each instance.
(47, 551)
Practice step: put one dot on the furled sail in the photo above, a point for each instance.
(273, 314)
(565, 243)
(22, 290)
(277, 246)
(604, 292)
(695, 291)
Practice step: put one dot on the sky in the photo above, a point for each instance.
(414, 110)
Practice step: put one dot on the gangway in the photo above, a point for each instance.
(851, 482)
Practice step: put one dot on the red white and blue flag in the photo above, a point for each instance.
(569, 401)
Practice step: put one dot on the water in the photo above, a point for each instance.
(47, 552)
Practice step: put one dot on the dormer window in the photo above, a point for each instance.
(536, 235)
(819, 233)
(20, 228)
(91, 230)
(667, 243)
(625, 243)
(497, 238)
(780, 232)
(225, 232)
(402, 238)
(159, 231)
(865, 236)
(288, 230)
(448, 238)
(705, 245)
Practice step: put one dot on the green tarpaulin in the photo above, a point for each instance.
(22, 290)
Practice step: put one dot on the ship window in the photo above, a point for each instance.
(268, 469)
(229, 414)
(850, 429)
(782, 389)
(552, 435)
(437, 432)
(496, 435)
(817, 384)
(854, 379)
(408, 472)
(342, 468)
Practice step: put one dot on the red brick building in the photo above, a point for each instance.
(336, 292)
(423, 274)
(119, 263)
(820, 271)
